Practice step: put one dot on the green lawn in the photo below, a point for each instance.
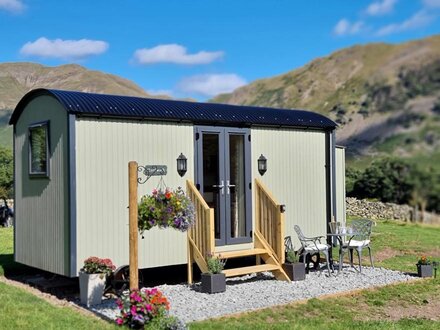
(404, 243)
(396, 246)
(368, 310)
(6, 250)
(7, 264)
(22, 310)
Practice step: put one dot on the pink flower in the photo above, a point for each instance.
(148, 307)
(135, 296)
(119, 321)
(133, 310)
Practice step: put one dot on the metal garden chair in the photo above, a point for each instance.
(361, 240)
(312, 245)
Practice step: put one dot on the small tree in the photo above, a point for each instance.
(351, 176)
(434, 192)
(6, 172)
(388, 179)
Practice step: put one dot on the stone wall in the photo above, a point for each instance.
(378, 210)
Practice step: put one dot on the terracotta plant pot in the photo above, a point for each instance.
(424, 270)
(295, 271)
(91, 288)
(213, 283)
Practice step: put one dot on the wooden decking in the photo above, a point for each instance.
(268, 237)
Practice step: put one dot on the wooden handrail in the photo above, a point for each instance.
(193, 189)
(266, 191)
(201, 240)
(269, 220)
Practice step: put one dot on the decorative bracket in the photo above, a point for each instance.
(151, 170)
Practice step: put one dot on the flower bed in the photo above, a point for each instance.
(140, 307)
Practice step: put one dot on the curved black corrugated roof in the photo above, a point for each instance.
(103, 105)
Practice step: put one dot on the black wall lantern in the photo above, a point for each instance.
(262, 164)
(181, 164)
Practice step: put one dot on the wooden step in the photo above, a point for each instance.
(239, 253)
(249, 270)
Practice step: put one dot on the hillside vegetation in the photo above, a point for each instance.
(386, 98)
(16, 79)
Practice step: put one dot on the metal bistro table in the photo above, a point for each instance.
(342, 247)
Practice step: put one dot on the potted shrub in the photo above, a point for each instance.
(294, 269)
(214, 281)
(92, 279)
(424, 267)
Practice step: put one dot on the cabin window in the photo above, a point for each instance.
(39, 149)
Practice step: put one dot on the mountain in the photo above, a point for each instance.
(16, 79)
(386, 98)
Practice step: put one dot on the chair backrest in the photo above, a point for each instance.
(300, 234)
(288, 245)
(334, 227)
(362, 228)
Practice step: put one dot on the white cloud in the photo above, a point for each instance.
(64, 49)
(432, 3)
(419, 19)
(14, 6)
(381, 7)
(211, 84)
(173, 53)
(345, 27)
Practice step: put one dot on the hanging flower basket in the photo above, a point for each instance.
(166, 209)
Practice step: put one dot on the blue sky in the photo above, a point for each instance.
(201, 48)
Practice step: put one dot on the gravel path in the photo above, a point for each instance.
(257, 291)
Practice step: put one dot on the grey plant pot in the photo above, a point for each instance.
(295, 271)
(424, 270)
(91, 288)
(213, 283)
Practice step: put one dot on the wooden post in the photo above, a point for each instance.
(190, 260)
(133, 223)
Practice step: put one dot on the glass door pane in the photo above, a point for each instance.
(224, 180)
(236, 186)
(212, 190)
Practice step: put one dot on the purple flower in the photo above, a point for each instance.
(139, 318)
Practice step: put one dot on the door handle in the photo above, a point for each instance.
(228, 186)
(220, 186)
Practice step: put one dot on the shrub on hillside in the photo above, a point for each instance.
(396, 181)
(387, 179)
